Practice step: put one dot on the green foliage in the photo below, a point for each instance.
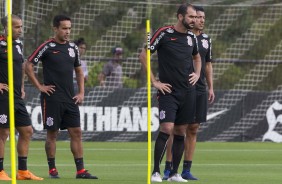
(93, 74)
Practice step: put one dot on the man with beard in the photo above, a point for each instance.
(204, 43)
(179, 70)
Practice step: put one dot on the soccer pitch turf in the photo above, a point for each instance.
(126, 163)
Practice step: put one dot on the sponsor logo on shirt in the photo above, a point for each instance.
(52, 44)
(170, 30)
(3, 43)
(173, 39)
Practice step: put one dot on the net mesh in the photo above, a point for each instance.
(247, 54)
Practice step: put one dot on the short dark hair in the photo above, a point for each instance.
(183, 9)
(199, 8)
(58, 18)
(79, 41)
(4, 20)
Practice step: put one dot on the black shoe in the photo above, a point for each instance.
(85, 175)
(53, 173)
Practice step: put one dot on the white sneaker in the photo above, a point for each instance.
(177, 178)
(156, 177)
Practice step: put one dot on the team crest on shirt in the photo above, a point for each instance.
(71, 52)
(3, 43)
(3, 119)
(205, 43)
(19, 49)
(52, 44)
(50, 121)
(189, 41)
(162, 114)
(170, 30)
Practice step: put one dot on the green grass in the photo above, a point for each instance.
(126, 163)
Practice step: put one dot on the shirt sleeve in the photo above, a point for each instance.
(77, 61)
(156, 39)
(38, 54)
(196, 47)
(209, 54)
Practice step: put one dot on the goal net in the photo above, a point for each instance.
(246, 53)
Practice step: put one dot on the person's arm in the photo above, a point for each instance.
(101, 78)
(209, 77)
(194, 77)
(31, 75)
(3, 87)
(163, 87)
(23, 75)
(80, 82)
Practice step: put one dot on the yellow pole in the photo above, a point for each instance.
(11, 92)
(149, 99)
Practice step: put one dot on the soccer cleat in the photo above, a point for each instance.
(27, 175)
(156, 177)
(188, 176)
(166, 174)
(4, 176)
(85, 175)
(53, 173)
(177, 178)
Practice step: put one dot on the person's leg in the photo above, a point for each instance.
(177, 147)
(4, 133)
(190, 145)
(168, 163)
(50, 148)
(25, 133)
(77, 151)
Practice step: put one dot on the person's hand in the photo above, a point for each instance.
(23, 93)
(78, 99)
(163, 87)
(193, 78)
(211, 96)
(3, 87)
(49, 89)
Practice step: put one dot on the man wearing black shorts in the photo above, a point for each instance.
(205, 49)
(204, 43)
(22, 119)
(178, 57)
(59, 103)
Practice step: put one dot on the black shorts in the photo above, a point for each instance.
(22, 117)
(201, 107)
(177, 107)
(59, 115)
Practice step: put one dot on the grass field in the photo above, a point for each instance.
(126, 163)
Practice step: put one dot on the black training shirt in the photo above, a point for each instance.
(17, 66)
(175, 51)
(205, 50)
(58, 62)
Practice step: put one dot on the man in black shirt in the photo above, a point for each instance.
(22, 119)
(204, 43)
(205, 49)
(59, 103)
(179, 69)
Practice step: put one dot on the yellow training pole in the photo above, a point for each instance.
(11, 92)
(149, 99)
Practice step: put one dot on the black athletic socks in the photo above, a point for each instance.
(79, 163)
(22, 161)
(177, 151)
(51, 163)
(160, 147)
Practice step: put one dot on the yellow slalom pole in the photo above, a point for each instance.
(149, 98)
(11, 93)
